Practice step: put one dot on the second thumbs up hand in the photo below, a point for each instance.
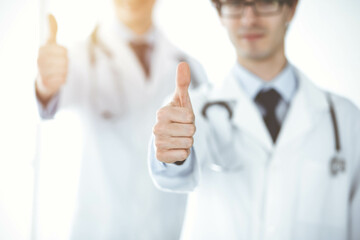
(175, 126)
(52, 65)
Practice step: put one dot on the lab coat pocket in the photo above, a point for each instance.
(322, 200)
(312, 192)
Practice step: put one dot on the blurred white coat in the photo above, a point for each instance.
(115, 197)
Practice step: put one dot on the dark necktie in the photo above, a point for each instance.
(141, 50)
(269, 100)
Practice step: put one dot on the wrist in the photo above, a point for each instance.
(42, 93)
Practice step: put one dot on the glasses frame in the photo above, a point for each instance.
(251, 4)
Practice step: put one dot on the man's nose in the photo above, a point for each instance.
(248, 17)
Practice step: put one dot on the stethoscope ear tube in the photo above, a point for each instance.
(96, 42)
(220, 103)
(334, 122)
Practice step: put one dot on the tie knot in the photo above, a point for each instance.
(268, 99)
(139, 47)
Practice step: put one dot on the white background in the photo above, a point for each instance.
(323, 41)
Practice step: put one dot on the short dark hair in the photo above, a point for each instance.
(217, 3)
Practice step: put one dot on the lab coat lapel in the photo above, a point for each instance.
(163, 62)
(246, 115)
(163, 56)
(125, 59)
(304, 111)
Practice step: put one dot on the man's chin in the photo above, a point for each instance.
(254, 55)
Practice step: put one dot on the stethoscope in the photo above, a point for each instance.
(97, 45)
(221, 141)
(337, 162)
(106, 111)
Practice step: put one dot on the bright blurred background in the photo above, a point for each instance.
(323, 41)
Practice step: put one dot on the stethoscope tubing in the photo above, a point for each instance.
(334, 164)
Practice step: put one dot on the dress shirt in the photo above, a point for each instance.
(285, 83)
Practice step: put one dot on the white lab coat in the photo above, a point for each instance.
(114, 196)
(283, 191)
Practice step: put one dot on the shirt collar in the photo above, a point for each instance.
(285, 83)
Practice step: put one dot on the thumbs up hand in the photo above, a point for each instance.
(52, 65)
(175, 126)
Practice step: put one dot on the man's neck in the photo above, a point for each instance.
(136, 25)
(139, 28)
(266, 69)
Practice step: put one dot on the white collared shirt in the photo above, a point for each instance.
(285, 83)
(129, 36)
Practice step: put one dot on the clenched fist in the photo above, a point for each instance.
(52, 65)
(175, 126)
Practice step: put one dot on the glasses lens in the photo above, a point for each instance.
(231, 9)
(267, 6)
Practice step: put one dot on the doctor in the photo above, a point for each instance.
(115, 81)
(265, 162)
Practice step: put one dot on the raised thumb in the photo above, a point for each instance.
(52, 29)
(183, 79)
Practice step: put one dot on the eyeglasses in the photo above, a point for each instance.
(235, 9)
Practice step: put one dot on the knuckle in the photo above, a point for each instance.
(159, 129)
(159, 156)
(159, 144)
(42, 58)
(191, 141)
(43, 49)
(188, 142)
(187, 117)
(184, 154)
(156, 130)
(190, 117)
(45, 52)
(63, 49)
(47, 83)
(161, 113)
(192, 129)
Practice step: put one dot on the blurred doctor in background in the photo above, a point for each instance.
(116, 81)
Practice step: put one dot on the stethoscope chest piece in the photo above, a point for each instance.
(337, 165)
